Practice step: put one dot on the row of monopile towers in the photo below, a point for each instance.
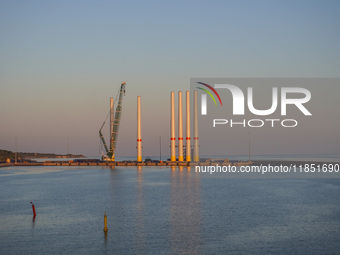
(180, 146)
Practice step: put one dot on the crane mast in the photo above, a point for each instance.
(114, 126)
(102, 138)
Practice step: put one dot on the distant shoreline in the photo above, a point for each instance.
(28, 155)
(6, 155)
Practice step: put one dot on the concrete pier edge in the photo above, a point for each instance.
(122, 163)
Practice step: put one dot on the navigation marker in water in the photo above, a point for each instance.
(33, 209)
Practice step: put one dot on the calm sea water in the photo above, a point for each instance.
(165, 211)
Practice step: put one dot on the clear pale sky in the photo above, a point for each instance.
(60, 61)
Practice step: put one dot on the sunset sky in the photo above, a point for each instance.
(62, 60)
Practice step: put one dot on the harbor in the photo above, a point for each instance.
(180, 152)
(170, 127)
(164, 210)
(183, 152)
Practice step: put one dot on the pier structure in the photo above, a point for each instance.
(123, 163)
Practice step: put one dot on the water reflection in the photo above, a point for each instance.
(168, 211)
(185, 213)
(140, 235)
(147, 208)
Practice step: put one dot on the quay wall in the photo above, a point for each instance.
(119, 163)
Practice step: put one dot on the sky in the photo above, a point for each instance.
(60, 61)
(312, 130)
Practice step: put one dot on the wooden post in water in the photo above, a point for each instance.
(105, 223)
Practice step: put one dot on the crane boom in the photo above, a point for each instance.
(114, 135)
(102, 139)
(116, 122)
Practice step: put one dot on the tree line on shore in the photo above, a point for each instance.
(5, 155)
